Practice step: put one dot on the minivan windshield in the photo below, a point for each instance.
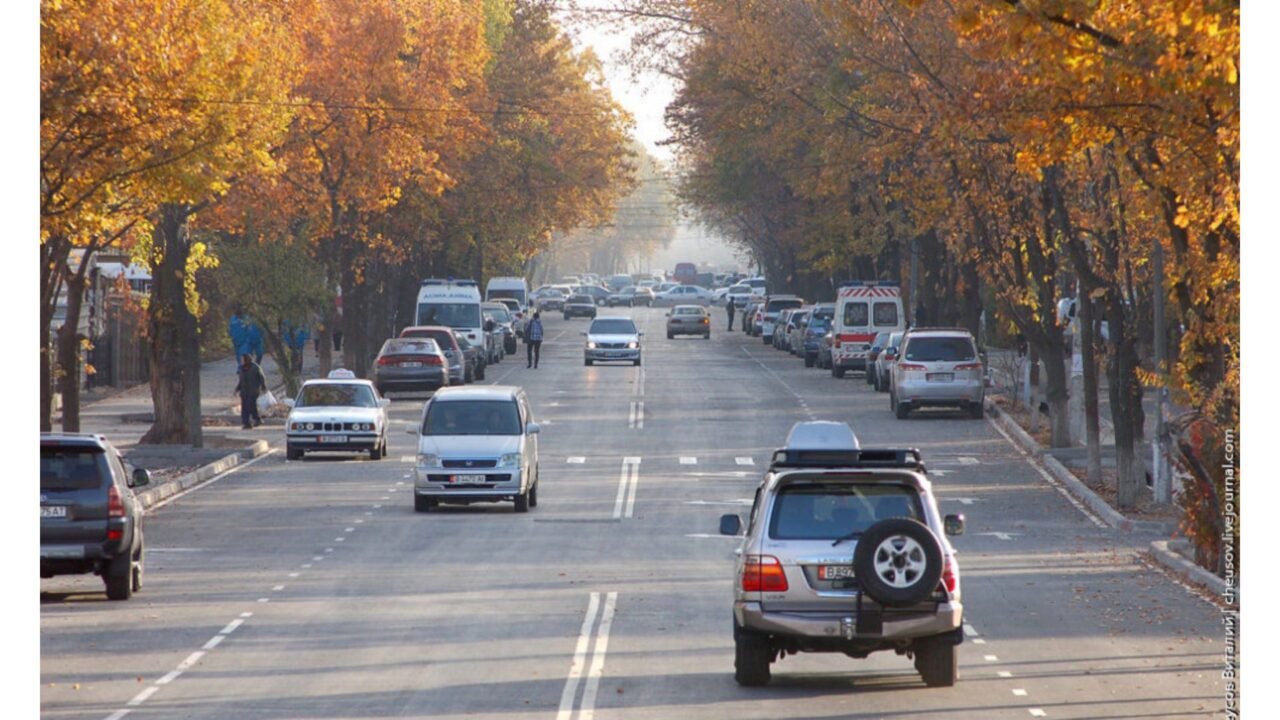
(336, 395)
(472, 417)
(939, 349)
(613, 326)
(455, 315)
(72, 468)
(829, 511)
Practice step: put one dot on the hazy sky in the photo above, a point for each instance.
(645, 97)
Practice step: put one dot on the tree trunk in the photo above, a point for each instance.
(174, 346)
(69, 352)
(1091, 429)
(1126, 405)
(284, 356)
(1055, 375)
(52, 260)
(1033, 397)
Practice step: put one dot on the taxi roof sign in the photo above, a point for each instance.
(342, 374)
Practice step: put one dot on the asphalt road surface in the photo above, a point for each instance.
(312, 590)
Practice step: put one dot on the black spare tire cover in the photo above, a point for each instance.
(898, 562)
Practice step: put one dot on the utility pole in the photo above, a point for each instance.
(1163, 489)
(915, 275)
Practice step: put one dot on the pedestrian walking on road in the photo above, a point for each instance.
(251, 383)
(728, 306)
(533, 339)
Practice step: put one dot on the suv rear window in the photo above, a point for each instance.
(779, 305)
(939, 349)
(826, 512)
(72, 468)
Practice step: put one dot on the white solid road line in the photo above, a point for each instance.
(579, 657)
(211, 480)
(1047, 477)
(635, 482)
(588, 708)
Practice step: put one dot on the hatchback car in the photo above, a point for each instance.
(612, 339)
(579, 306)
(410, 365)
(341, 413)
(884, 362)
(845, 551)
(688, 320)
(937, 367)
(90, 521)
(476, 444)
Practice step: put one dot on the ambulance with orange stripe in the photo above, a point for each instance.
(863, 309)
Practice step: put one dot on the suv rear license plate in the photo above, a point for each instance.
(940, 377)
(469, 479)
(834, 572)
(332, 438)
(53, 511)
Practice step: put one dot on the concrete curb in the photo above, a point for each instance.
(1164, 554)
(201, 475)
(1108, 514)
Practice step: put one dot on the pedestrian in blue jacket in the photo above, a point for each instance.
(533, 339)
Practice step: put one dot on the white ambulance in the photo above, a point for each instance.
(452, 303)
(863, 309)
(508, 287)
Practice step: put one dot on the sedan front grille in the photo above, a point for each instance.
(612, 346)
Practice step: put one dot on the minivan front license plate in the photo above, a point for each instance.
(469, 479)
(835, 572)
(53, 511)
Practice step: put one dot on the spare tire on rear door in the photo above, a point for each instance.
(898, 562)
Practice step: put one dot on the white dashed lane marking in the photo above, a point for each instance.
(990, 658)
(1019, 692)
(688, 461)
(744, 461)
(1036, 712)
(576, 460)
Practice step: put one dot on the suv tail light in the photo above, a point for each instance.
(115, 504)
(950, 576)
(763, 573)
(907, 367)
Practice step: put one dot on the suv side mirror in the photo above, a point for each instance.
(532, 428)
(140, 478)
(288, 402)
(954, 524)
(384, 402)
(730, 525)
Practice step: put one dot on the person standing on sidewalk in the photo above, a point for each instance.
(728, 306)
(533, 339)
(252, 383)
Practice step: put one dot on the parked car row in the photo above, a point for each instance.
(863, 332)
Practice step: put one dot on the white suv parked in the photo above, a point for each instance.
(937, 367)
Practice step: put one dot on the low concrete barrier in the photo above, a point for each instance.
(201, 475)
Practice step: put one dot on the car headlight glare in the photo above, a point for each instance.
(591, 345)
(633, 344)
(509, 460)
(428, 460)
(311, 426)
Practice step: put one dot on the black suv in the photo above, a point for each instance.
(89, 519)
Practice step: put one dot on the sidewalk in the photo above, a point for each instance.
(125, 416)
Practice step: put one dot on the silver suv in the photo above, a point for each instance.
(845, 552)
(937, 367)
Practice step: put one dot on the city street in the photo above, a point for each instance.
(311, 589)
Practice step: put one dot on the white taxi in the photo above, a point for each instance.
(341, 413)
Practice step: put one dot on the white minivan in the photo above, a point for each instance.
(507, 287)
(476, 444)
(863, 309)
(452, 303)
